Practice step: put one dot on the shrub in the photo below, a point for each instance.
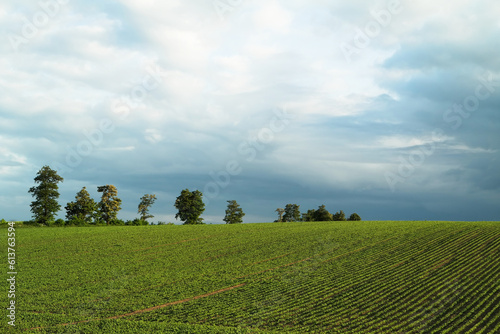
(136, 222)
(117, 222)
(59, 222)
(76, 222)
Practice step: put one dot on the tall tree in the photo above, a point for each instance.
(190, 205)
(110, 204)
(280, 212)
(234, 213)
(292, 213)
(82, 208)
(146, 202)
(45, 205)
(322, 214)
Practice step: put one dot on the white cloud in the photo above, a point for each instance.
(401, 141)
(221, 79)
(272, 16)
(153, 136)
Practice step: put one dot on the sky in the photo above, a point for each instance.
(390, 109)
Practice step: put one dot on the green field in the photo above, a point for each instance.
(321, 277)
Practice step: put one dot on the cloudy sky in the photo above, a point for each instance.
(390, 109)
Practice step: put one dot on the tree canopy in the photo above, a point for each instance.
(292, 213)
(110, 204)
(322, 214)
(190, 206)
(234, 213)
(146, 202)
(45, 205)
(83, 208)
(354, 217)
(339, 216)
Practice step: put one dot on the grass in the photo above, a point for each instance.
(323, 277)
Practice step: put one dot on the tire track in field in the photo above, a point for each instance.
(150, 308)
(177, 302)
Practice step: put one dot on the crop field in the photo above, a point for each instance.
(319, 277)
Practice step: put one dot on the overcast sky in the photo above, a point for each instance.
(390, 109)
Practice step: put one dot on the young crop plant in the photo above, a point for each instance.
(319, 277)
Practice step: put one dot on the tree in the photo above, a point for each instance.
(190, 206)
(45, 205)
(280, 212)
(82, 208)
(110, 204)
(339, 216)
(354, 217)
(309, 216)
(322, 214)
(292, 213)
(146, 202)
(234, 213)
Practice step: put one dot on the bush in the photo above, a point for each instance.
(3, 222)
(354, 217)
(98, 222)
(117, 222)
(59, 222)
(136, 222)
(76, 222)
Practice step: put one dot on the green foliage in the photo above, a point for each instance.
(234, 213)
(292, 213)
(280, 212)
(29, 223)
(83, 207)
(381, 277)
(76, 221)
(59, 222)
(322, 214)
(146, 202)
(164, 223)
(116, 222)
(110, 204)
(190, 206)
(3, 222)
(46, 193)
(339, 216)
(136, 222)
(309, 216)
(354, 217)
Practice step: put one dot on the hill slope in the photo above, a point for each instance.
(346, 277)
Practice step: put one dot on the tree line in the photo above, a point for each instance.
(84, 210)
(291, 213)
